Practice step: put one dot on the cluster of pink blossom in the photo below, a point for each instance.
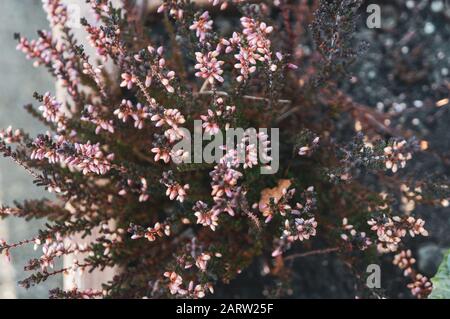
(246, 151)
(359, 239)
(205, 216)
(171, 118)
(421, 287)
(276, 202)
(192, 290)
(151, 233)
(390, 231)
(409, 197)
(192, 254)
(40, 49)
(56, 11)
(174, 189)
(46, 148)
(222, 113)
(54, 55)
(11, 136)
(210, 122)
(200, 261)
(202, 26)
(138, 113)
(52, 110)
(396, 156)
(256, 47)
(404, 260)
(225, 188)
(295, 227)
(100, 40)
(299, 230)
(92, 115)
(175, 281)
(143, 196)
(158, 69)
(84, 157)
(53, 248)
(163, 150)
(128, 80)
(89, 158)
(209, 68)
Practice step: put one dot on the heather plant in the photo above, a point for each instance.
(177, 228)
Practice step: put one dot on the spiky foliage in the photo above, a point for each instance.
(178, 229)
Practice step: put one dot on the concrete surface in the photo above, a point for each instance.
(19, 80)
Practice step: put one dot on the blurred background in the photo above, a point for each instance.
(20, 80)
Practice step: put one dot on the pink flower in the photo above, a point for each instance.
(205, 216)
(202, 261)
(44, 147)
(9, 136)
(93, 117)
(210, 123)
(56, 12)
(404, 261)
(89, 158)
(202, 26)
(171, 117)
(209, 67)
(246, 63)
(396, 156)
(224, 181)
(105, 125)
(257, 48)
(175, 281)
(127, 80)
(416, 227)
(421, 287)
(144, 196)
(51, 109)
(139, 115)
(305, 228)
(255, 32)
(157, 231)
(161, 154)
(124, 111)
(176, 191)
